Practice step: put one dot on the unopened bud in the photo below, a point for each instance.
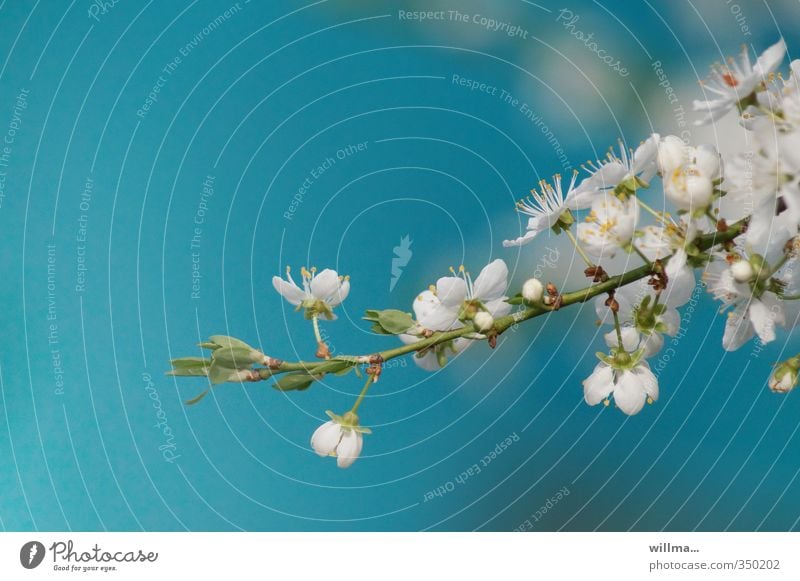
(483, 321)
(532, 290)
(784, 378)
(742, 271)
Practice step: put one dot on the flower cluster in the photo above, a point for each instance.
(736, 219)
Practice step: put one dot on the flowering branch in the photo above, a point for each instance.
(748, 264)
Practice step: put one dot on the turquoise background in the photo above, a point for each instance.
(258, 101)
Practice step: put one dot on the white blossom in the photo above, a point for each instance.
(341, 437)
(609, 226)
(547, 206)
(630, 169)
(734, 81)
(630, 388)
(320, 291)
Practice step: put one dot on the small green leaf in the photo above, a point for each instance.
(395, 322)
(188, 371)
(295, 382)
(236, 357)
(218, 374)
(378, 330)
(197, 398)
(332, 366)
(208, 345)
(189, 362)
(231, 342)
(516, 300)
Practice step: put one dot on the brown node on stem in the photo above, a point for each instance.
(612, 303)
(659, 279)
(273, 363)
(323, 351)
(553, 298)
(596, 273)
(722, 225)
(375, 366)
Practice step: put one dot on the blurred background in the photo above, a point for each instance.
(162, 161)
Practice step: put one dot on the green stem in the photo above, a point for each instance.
(504, 323)
(577, 245)
(657, 215)
(317, 334)
(618, 329)
(363, 393)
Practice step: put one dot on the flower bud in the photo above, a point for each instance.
(671, 154)
(483, 321)
(532, 290)
(742, 271)
(784, 378)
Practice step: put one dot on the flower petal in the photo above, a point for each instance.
(492, 282)
(647, 380)
(325, 285)
(629, 393)
(341, 294)
(349, 448)
(326, 438)
(738, 329)
(291, 292)
(498, 307)
(522, 240)
(451, 290)
(630, 338)
(599, 384)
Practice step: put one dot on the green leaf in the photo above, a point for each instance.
(516, 300)
(295, 382)
(390, 321)
(236, 357)
(208, 345)
(197, 398)
(377, 329)
(332, 366)
(218, 374)
(188, 371)
(231, 342)
(190, 362)
(372, 315)
(395, 322)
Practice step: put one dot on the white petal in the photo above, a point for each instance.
(629, 393)
(440, 318)
(325, 285)
(630, 338)
(451, 290)
(291, 292)
(647, 380)
(424, 304)
(492, 282)
(522, 240)
(428, 362)
(672, 320)
(738, 329)
(341, 294)
(326, 438)
(349, 448)
(770, 59)
(652, 343)
(764, 318)
(498, 307)
(599, 384)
